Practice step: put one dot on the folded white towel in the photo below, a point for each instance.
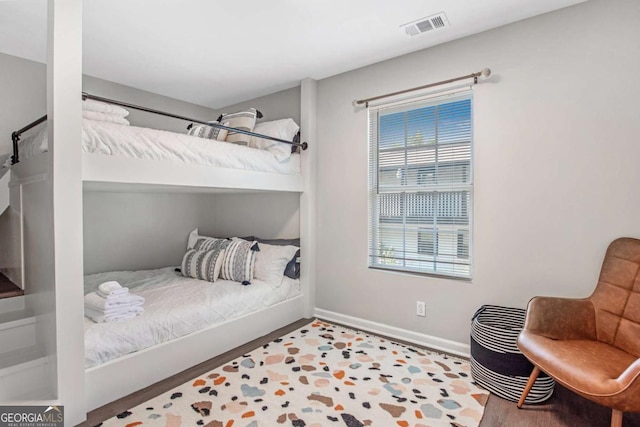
(112, 296)
(97, 302)
(111, 289)
(103, 107)
(113, 315)
(104, 117)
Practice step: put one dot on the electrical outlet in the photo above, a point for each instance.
(421, 309)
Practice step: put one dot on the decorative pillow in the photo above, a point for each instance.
(245, 120)
(239, 261)
(271, 262)
(204, 243)
(208, 132)
(203, 265)
(293, 267)
(284, 129)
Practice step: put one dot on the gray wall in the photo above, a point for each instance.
(23, 95)
(556, 167)
(133, 231)
(23, 89)
(269, 216)
(131, 95)
(279, 105)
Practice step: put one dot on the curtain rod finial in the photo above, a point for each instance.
(485, 73)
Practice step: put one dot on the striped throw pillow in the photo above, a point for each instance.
(245, 120)
(202, 265)
(239, 261)
(208, 132)
(210, 243)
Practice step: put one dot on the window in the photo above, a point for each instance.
(420, 185)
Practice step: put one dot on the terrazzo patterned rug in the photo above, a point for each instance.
(322, 375)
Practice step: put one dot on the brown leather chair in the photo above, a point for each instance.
(592, 346)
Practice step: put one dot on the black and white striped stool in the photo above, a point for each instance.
(496, 362)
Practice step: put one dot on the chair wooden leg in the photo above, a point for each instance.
(532, 379)
(616, 418)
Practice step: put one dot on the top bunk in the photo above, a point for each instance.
(229, 154)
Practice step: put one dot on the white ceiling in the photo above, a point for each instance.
(216, 53)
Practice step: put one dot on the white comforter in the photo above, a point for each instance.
(174, 306)
(152, 144)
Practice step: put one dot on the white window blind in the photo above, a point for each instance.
(421, 185)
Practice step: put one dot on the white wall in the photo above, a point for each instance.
(556, 167)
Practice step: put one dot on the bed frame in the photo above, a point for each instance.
(117, 378)
(127, 374)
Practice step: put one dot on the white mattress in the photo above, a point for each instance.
(152, 144)
(174, 306)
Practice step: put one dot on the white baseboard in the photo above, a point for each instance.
(417, 338)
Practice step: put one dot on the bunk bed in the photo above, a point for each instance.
(115, 155)
(108, 378)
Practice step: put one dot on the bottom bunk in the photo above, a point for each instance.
(185, 322)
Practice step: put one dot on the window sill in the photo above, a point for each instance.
(422, 274)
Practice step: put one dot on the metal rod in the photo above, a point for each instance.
(483, 73)
(15, 138)
(85, 95)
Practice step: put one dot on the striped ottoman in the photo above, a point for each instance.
(496, 362)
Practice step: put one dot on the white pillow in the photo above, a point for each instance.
(193, 238)
(284, 129)
(103, 107)
(271, 261)
(104, 117)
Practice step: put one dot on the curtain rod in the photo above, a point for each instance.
(484, 73)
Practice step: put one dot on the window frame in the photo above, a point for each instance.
(407, 105)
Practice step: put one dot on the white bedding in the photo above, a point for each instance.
(152, 144)
(174, 306)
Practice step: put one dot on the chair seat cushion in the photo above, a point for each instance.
(587, 367)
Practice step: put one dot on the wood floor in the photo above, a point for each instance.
(564, 409)
(8, 289)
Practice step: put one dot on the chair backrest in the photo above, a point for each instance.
(617, 296)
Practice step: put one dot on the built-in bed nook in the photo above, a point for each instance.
(187, 320)
(204, 235)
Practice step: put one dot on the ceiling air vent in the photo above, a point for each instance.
(424, 25)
